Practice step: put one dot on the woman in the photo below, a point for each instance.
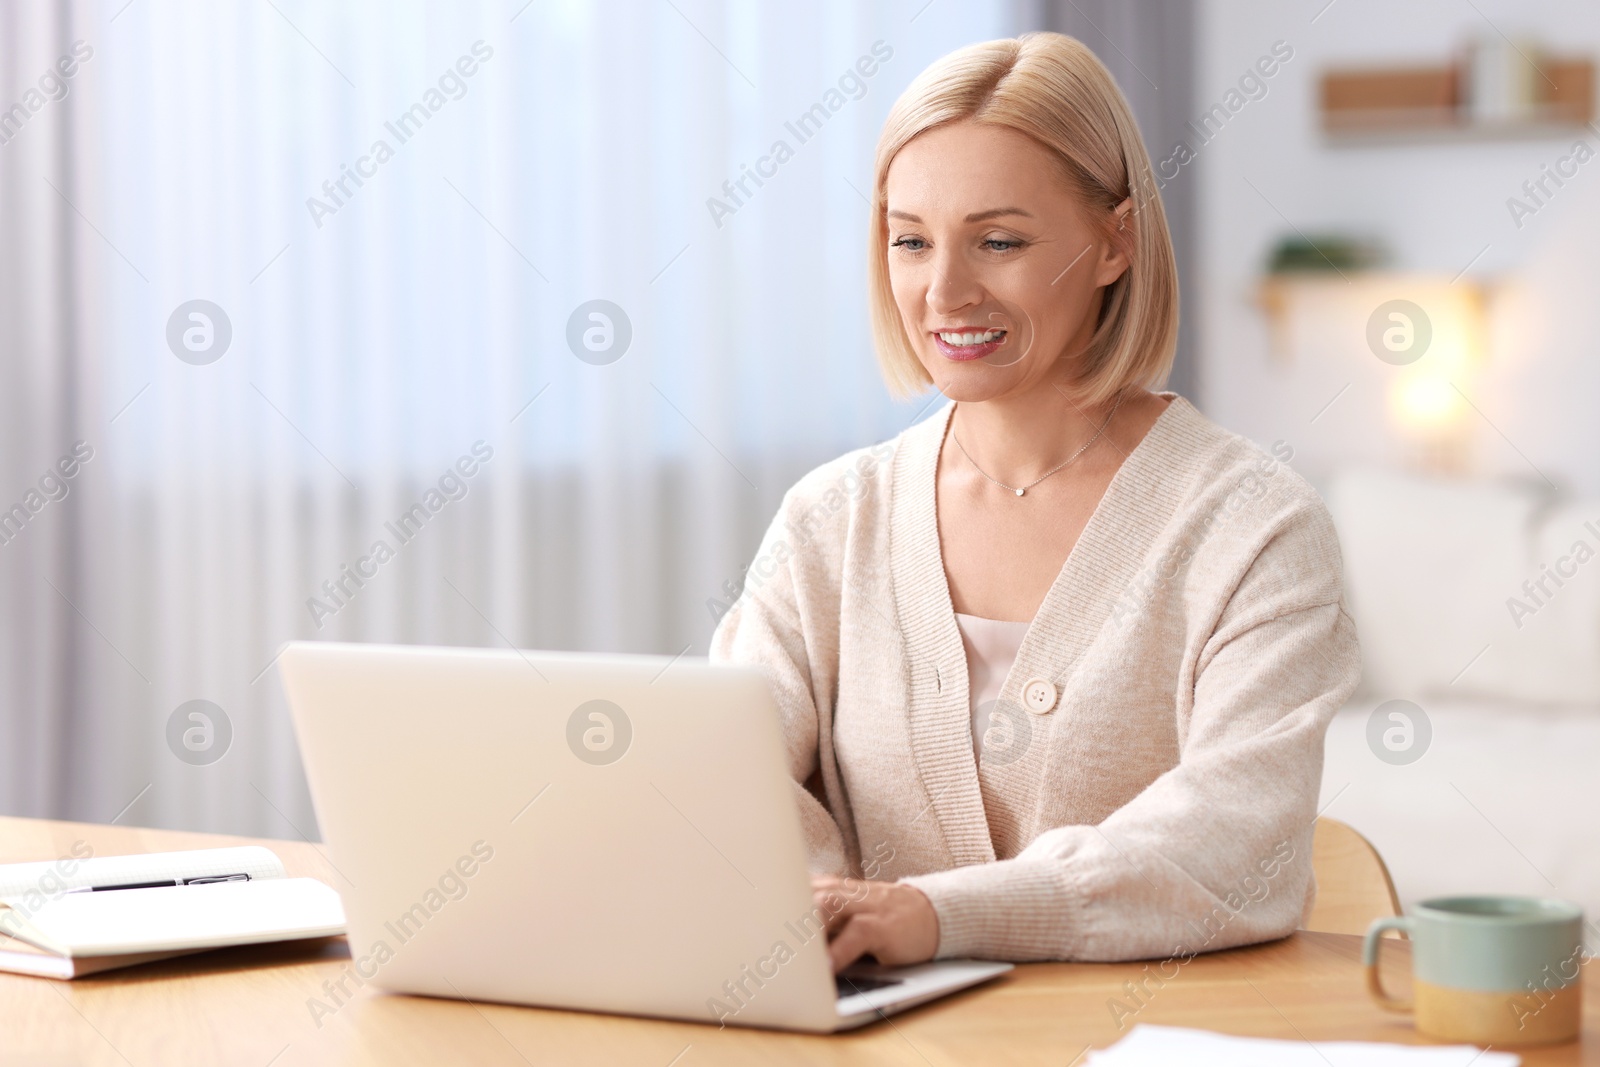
(1055, 663)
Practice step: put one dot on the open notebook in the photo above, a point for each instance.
(116, 911)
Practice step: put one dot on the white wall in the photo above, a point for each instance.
(1437, 205)
(1489, 807)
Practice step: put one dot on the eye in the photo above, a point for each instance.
(910, 244)
(1001, 244)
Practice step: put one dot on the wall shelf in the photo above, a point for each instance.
(1407, 105)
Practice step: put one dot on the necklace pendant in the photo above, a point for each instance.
(1021, 491)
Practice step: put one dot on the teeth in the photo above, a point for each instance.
(971, 338)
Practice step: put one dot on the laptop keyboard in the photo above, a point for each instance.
(848, 985)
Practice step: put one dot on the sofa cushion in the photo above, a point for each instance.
(1470, 588)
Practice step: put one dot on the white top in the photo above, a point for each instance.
(991, 646)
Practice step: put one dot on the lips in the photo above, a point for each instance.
(965, 344)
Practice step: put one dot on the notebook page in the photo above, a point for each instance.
(19, 957)
(1162, 1046)
(189, 917)
(17, 880)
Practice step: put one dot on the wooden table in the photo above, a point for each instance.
(248, 1006)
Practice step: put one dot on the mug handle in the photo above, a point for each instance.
(1369, 959)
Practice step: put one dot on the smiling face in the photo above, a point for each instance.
(995, 265)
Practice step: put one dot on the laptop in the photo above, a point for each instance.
(596, 832)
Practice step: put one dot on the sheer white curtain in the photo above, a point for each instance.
(40, 696)
(395, 211)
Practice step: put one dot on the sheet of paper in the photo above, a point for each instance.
(1162, 1046)
(19, 957)
(187, 917)
(49, 877)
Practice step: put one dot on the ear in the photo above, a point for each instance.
(1117, 254)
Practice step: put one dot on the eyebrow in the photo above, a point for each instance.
(977, 216)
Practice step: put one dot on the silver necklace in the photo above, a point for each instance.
(1019, 490)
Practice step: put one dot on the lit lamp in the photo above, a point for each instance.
(1437, 347)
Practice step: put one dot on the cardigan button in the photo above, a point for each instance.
(1039, 696)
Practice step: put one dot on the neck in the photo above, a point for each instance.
(1016, 439)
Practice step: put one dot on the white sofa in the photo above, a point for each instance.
(1503, 796)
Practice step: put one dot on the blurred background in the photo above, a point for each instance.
(510, 323)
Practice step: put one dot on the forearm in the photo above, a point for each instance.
(1079, 896)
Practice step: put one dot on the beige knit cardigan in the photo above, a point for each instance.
(1163, 804)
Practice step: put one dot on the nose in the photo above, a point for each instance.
(953, 286)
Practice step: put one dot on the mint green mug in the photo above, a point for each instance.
(1493, 970)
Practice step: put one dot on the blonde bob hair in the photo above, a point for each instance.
(1053, 89)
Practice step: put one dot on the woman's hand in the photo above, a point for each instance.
(896, 923)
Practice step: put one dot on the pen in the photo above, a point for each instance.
(207, 879)
(129, 885)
